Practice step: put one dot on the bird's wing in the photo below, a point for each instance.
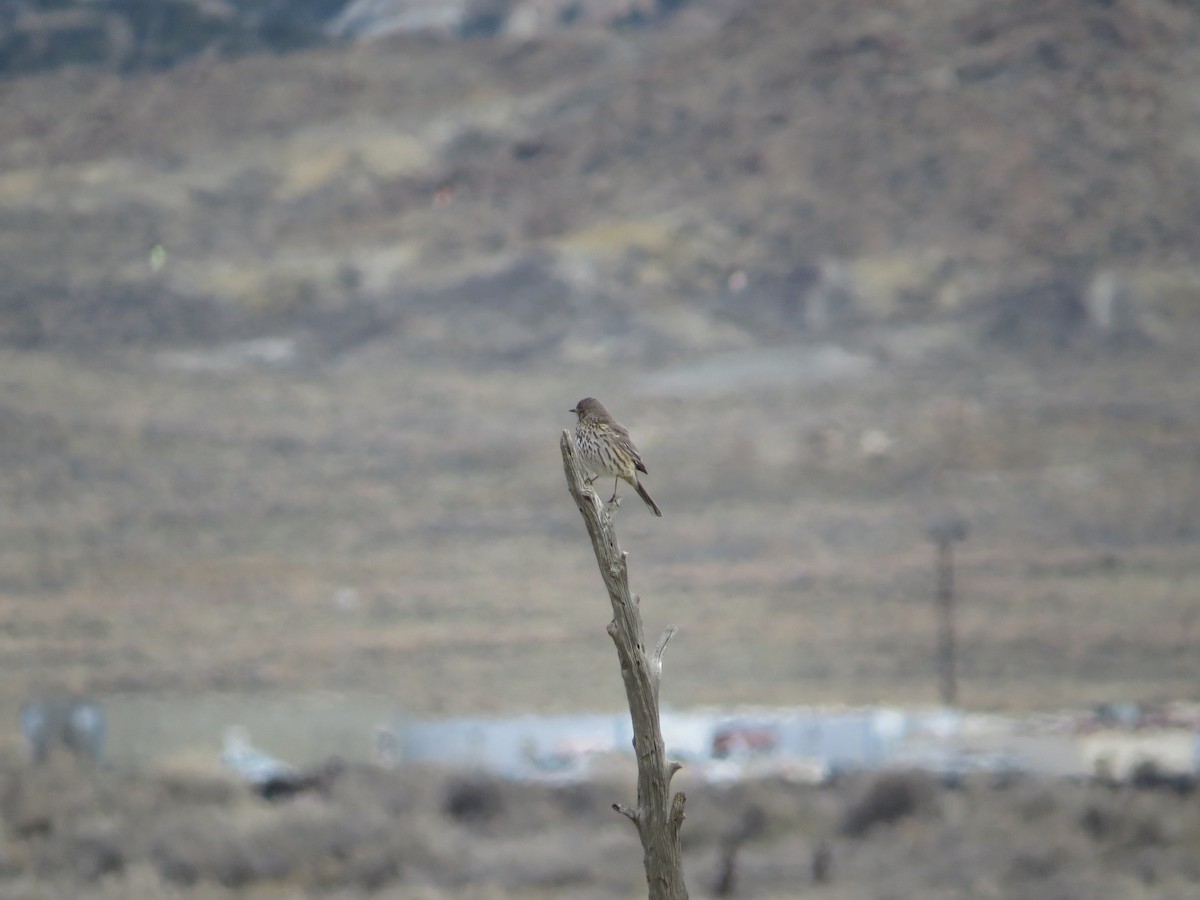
(625, 442)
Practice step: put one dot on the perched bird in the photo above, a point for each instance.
(607, 448)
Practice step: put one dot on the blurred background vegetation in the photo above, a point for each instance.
(296, 296)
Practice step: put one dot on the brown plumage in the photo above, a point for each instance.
(607, 448)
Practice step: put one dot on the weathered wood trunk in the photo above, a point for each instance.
(658, 816)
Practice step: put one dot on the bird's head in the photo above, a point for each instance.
(590, 408)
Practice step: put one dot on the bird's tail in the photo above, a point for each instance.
(645, 495)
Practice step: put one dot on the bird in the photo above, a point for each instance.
(607, 448)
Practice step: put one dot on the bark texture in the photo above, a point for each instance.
(658, 815)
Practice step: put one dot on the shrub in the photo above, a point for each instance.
(472, 800)
(891, 797)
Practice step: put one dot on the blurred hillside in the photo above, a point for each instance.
(41, 35)
(289, 338)
(797, 166)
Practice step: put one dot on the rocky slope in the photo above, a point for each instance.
(779, 166)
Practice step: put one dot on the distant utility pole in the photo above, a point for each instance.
(946, 530)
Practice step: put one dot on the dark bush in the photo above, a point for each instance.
(891, 797)
(473, 800)
(1149, 776)
(1119, 823)
(90, 854)
(1096, 822)
(195, 845)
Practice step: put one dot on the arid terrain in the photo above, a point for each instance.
(429, 835)
(288, 340)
